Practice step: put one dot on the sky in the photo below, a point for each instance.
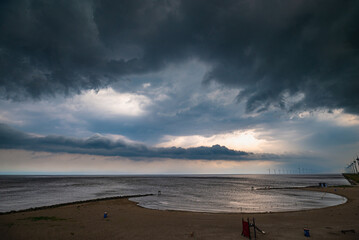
(178, 87)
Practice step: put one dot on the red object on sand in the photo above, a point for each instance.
(245, 231)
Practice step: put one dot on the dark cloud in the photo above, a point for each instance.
(325, 137)
(100, 145)
(47, 47)
(268, 50)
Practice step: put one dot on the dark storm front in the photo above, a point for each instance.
(202, 193)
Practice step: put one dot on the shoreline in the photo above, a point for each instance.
(306, 188)
(75, 202)
(127, 220)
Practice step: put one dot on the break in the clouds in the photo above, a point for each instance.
(290, 55)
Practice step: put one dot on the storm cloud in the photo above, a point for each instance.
(100, 145)
(291, 55)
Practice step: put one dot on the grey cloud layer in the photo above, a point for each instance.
(100, 145)
(268, 50)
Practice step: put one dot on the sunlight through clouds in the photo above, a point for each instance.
(336, 116)
(107, 102)
(238, 140)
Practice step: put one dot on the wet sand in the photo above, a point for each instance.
(126, 220)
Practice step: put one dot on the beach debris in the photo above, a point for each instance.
(246, 231)
(105, 215)
(346, 231)
(192, 234)
(261, 231)
(159, 193)
(306, 232)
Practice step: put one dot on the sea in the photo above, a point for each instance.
(199, 193)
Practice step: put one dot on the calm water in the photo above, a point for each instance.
(207, 193)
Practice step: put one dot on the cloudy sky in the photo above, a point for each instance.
(143, 87)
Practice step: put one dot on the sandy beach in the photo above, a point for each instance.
(126, 220)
